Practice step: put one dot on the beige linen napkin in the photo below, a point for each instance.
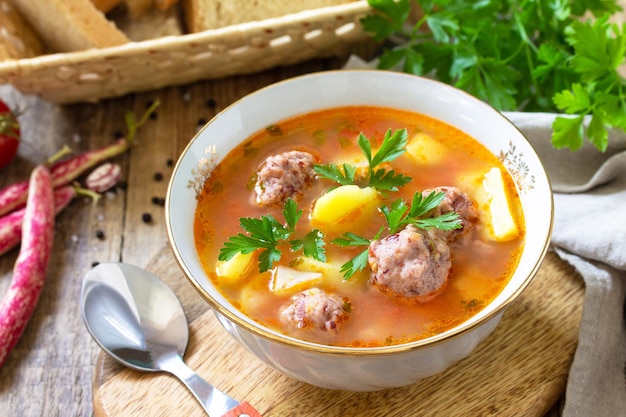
(589, 233)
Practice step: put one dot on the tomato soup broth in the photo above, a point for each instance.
(479, 270)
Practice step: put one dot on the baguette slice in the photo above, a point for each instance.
(17, 38)
(202, 15)
(70, 25)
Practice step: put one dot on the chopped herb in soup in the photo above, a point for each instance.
(359, 226)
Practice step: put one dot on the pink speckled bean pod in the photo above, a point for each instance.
(11, 224)
(63, 172)
(31, 265)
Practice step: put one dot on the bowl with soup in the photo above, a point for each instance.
(359, 230)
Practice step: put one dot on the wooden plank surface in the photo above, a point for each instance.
(519, 370)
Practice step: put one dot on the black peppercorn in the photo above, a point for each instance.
(146, 218)
(100, 234)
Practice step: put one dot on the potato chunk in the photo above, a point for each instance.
(345, 205)
(286, 280)
(308, 264)
(330, 270)
(503, 223)
(236, 268)
(424, 149)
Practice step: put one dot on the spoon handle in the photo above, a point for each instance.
(214, 401)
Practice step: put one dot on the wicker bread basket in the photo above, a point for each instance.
(95, 74)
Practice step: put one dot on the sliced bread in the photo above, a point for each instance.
(17, 38)
(70, 25)
(201, 15)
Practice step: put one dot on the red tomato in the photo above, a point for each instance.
(9, 134)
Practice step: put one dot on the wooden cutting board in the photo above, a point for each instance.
(519, 370)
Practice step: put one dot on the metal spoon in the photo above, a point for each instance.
(138, 320)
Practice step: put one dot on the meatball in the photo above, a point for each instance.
(315, 308)
(282, 176)
(459, 202)
(412, 263)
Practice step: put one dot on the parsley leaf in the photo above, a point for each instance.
(264, 233)
(351, 239)
(388, 19)
(359, 262)
(392, 147)
(291, 213)
(568, 131)
(343, 176)
(395, 215)
(267, 233)
(599, 48)
(398, 215)
(312, 244)
(575, 100)
(354, 265)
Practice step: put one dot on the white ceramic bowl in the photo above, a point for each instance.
(359, 369)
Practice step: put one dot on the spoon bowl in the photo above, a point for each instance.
(133, 315)
(138, 320)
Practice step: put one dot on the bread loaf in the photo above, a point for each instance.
(17, 38)
(70, 25)
(201, 15)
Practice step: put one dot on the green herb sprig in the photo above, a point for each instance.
(398, 215)
(267, 233)
(393, 146)
(524, 55)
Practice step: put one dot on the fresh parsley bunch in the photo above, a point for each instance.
(524, 55)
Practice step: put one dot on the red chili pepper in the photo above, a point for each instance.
(31, 265)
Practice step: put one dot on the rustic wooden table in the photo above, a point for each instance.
(50, 371)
